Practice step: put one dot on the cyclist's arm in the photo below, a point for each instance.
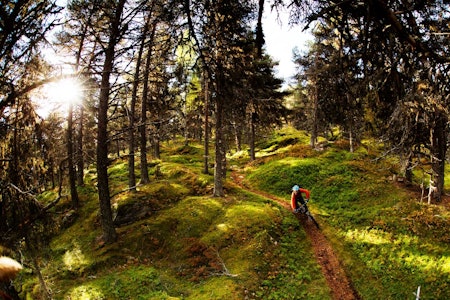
(306, 192)
(293, 202)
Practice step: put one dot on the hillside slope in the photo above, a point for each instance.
(389, 242)
(178, 242)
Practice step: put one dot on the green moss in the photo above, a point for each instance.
(135, 282)
(377, 228)
(194, 246)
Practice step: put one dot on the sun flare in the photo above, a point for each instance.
(65, 91)
(58, 96)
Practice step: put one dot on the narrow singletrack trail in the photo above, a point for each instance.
(337, 280)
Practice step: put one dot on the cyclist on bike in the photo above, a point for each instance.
(297, 200)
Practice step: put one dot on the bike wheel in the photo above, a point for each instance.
(314, 221)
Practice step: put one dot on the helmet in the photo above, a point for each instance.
(295, 188)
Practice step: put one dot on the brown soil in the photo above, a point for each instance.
(337, 280)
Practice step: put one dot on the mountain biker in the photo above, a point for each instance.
(296, 197)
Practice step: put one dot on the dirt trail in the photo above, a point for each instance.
(338, 282)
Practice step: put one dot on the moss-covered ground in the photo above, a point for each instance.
(191, 245)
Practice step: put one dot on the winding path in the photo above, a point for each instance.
(337, 280)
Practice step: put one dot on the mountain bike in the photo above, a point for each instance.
(303, 209)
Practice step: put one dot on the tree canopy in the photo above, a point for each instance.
(152, 70)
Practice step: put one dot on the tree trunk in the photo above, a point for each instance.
(143, 124)
(237, 136)
(252, 137)
(79, 152)
(408, 169)
(206, 112)
(350, 138)
(438, 139)
(315, 112)
(70, 155)
(157, 142)
(14, 163)
(131, 148)
(219, 142)
(259, 29)
(109, 232)
(132, 114)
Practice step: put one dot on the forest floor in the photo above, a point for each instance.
(338, 282)
(419, 194)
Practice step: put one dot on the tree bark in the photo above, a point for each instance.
(220, 158)
(259, 29)
(156, 141)
(79, 152)
(109, 232)
(315, 112)
(79, 139)
(132, 114)
(252, 136)
(70, 155)
(438, 141)
(143, 124)
(206, 112)
(408, 169)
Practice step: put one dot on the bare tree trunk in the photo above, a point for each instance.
(259, 29)
(438, 139)
(132, 115)
(143, 124)
(109, 232)
(315, 120)
(351, 139)
(237, 136)
(219, 141)
(156, 143)
(252, 136)
(79, 152)
(143, 128)
(408, 169)
(70, 154)
(206, 142)
(131, 148)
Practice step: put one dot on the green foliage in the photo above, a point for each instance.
(194, 246)
(281, 139)
(447, 177)
(190, 247)
(134, 282)
(389, 242)
(295, 275)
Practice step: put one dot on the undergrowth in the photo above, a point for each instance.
(389, 242)
(187, 245)
(176, 241)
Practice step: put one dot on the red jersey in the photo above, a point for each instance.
(297, 197)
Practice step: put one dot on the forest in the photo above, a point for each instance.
(148, 150)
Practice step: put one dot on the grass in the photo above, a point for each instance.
(390, 243)
(194, 246)
(215, 248)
